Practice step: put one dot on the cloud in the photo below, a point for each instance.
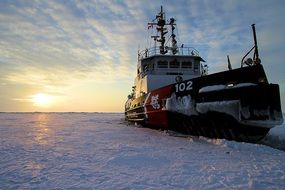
(50, 45)
(62, 40)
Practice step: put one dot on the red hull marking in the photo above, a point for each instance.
(155, 107)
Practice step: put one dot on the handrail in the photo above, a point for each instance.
(156, 51)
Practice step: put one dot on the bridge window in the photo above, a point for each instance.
(174, 64)
(196, 67)
(162, 64)
(145, 68)
(186, 65)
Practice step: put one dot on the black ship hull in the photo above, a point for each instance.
(215, 125)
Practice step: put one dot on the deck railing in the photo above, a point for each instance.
(188, 51)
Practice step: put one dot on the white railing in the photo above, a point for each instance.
(156, 51)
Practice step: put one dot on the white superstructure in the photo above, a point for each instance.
(156, 70)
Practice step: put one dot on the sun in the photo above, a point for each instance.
(40, 99)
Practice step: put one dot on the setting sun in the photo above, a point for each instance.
(42, 100)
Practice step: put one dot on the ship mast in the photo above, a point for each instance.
(174, 42)
(162, 30)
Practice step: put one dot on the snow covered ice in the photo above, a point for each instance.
(102, 151)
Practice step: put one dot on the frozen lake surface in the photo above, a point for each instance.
(102, 151)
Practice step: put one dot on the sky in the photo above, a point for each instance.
(81, 56)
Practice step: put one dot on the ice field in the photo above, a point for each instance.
(102, 151)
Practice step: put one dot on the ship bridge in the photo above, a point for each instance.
(155, 70)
